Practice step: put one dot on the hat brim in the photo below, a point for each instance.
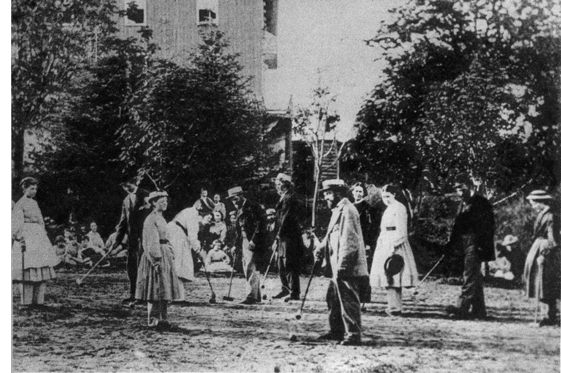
(334, 188)
(540, 198)
(236, 195)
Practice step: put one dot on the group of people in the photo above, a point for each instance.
(161, 255)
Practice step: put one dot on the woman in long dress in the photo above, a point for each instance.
(30, 241)
(541, 270)
(393, 239)
(157, 281)
(183, 235)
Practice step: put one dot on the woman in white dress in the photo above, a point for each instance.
(183, 231)
(33, 256)
(393, 239)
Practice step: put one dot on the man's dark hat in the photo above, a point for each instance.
(394, 265)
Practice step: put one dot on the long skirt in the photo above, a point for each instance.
(544, 280)
(408, 277)
(161, 284)
(39, 257)
(183, 252)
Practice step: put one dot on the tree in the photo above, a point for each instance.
(317, 125)
(198, 122)
(51, 41)
(469, 86)
(84, 154)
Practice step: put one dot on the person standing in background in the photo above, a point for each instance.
(542, 267)
(290, 248)
(473, 233)
(133, 213)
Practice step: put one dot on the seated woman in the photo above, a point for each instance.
(217, 229)
(60, 250)
(74, 253)
(95, 240)
(93, 253)
(217, 260)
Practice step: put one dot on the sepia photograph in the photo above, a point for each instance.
(359, 186)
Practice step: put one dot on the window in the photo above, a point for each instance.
(136, 12)
(207, 12)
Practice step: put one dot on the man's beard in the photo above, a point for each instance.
(332, 204)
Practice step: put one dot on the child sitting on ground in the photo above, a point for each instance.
(217, 260)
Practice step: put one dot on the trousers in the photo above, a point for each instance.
(472, 296)
(133, 261)
(343, 304)
(290, 277)
(252, 276)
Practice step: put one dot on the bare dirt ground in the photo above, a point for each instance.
(87, 329)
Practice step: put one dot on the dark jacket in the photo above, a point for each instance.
(476, 218)
(132, 218)
(366, 224)
(251, 218)
(290, 214)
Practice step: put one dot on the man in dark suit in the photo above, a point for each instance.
(250, 233)
(473, 232)
(133, 213)
(290, 248)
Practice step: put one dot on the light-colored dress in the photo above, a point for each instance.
(217, 261)
(96, 242)
(183, 244)
(393, 230)
(152, 284)
(39, 256)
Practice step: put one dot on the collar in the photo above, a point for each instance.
(341, 204)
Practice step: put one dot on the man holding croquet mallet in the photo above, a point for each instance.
(250, 228)
(344, 255)
(290, 249)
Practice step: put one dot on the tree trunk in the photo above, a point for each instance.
(18, 149)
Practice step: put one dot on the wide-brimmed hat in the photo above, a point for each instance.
(538, 195)
(333, 184)
(270, 211)
(509, 240)
(394, 265)
(154, 195)
(284, 177)
(235, 191)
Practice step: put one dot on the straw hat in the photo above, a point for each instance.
(235, 191)
(155, 195)
(333, 184)
(539, 195)
(283, 177)
(509, 240)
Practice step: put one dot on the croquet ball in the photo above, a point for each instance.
(292, 337)
(265, 297)
(277, 369)
(298, 317)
